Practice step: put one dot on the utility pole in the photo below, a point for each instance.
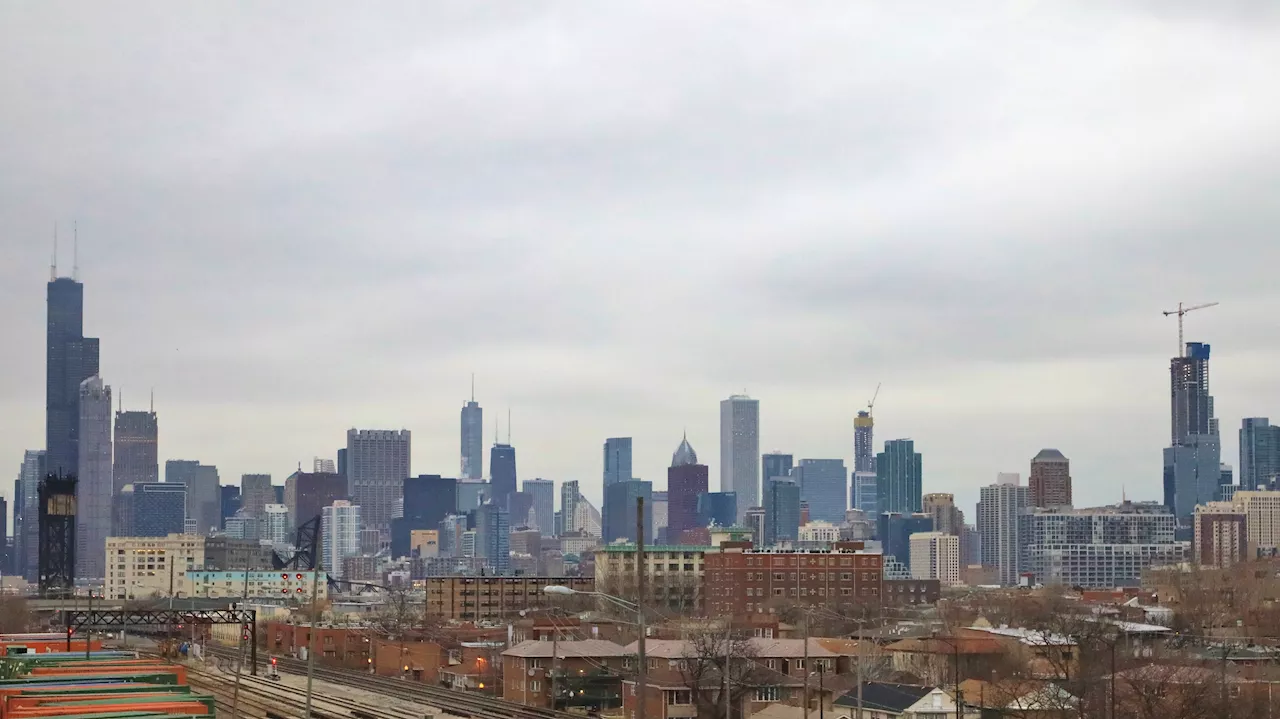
(311, 643)
(728, 658)
(555, 659)
(858, 668)
(807, 612)
(642, 674)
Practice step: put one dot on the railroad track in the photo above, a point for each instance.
(265, 699)
(452, 701)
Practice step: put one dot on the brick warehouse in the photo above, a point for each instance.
(739, 580)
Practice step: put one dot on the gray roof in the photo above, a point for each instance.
(541, 649)
(684, 454)
(1049, 455)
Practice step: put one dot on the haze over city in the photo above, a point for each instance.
(297, 220)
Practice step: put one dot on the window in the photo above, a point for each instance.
(777, 576)
(772, 664)
(766, 694)
(680, 696)
(799, 664)
(534, 686)
(777, 592)
(534, 663)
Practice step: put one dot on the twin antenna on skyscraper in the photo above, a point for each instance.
(75, 252)
(1181, 312)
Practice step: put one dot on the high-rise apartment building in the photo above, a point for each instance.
(1262, 520)
(998, 510)
(687, 479)
(617, 460)
(472, 433)
(340, 529)
(935, 555)
(543, 492)
(864, 453)
(203, 491)
(1221, 538)
(1259, 453)
(781, 511)
(377, 463)
(1050, 480)
(502, 470)
(93, 492)
(256, 493)
(70, 359)
(823, 487)
(275, 524)
(569, 505)
(1098, 548)
(947, 517)
(136, 449)
(740, 450)
(619, 516)
(899, 477)
(306, 494)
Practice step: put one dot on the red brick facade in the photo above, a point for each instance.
(748, 581)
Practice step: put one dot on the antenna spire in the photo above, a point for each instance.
(153, 400)
(508, 426)
(53, 263)
(473, 386)
(75, 250)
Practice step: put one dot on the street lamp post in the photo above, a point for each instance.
(641, 682)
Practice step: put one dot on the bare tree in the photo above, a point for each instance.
(15, 615)
(397, 618)
(709, 654)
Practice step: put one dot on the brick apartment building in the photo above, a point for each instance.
(475, 598)
(739, 580)
(527, 670)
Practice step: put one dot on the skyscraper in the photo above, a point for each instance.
(340, 535)
(256, 493)
(895, 530)
(229, 501)
(862, 492)
(493, 537)
(569, 505)
(377, 463)
(947, 517)
(686, 480)
(617, 460)
(1259, 453)
(775, 465)
(719, 508)
(822, 485)
(781, 511)
(428, 499)
(620, 510)
(32, 471)
(152, 509)
(898, 477)
(740, 450)
(1191, 462)
(502, 468)
(203, 494)
(93, 493)
(70, 359)
(998, 511)
(543, 492)
(864, 453)
(1050, 480)
(136, 449)
(472, 422)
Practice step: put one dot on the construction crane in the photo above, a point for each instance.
(1180, 312)
(871, 406)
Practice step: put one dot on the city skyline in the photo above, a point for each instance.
(486, 258)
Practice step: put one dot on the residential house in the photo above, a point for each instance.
(586, 672)
(883, 700)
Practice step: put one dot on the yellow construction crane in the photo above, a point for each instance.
(871, 406)
(1180, 312)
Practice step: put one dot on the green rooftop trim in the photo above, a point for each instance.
(657, 548)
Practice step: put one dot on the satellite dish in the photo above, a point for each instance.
(533, 672)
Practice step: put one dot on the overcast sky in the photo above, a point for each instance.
(297, 218)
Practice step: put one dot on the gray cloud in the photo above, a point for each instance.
(295, 222)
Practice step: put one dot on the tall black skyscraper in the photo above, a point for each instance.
(502, 468)
(70, 359)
